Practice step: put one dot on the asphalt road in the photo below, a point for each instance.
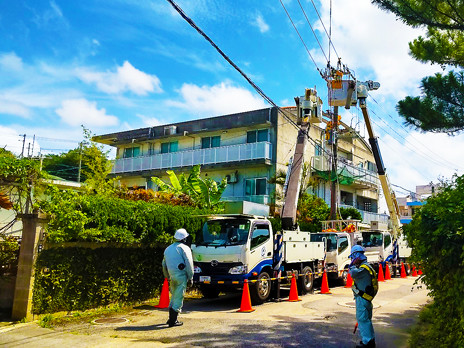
(316, 321)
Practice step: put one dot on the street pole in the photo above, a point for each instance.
(24, 141)
(333, 188)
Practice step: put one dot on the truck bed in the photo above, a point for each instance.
(299, 248)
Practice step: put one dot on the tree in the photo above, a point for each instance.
(311, 211)
(440, 107)
(436, 235)
(65, 165)
(205, 193)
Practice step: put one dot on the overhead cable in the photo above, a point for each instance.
(328, 36)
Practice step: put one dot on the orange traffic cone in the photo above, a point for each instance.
(245, 306)
(380, 276)
(414, 272)
(387, 272)
(420, 272)
(293, 297)
(403, 272)
(164, 298)
(325, 284)
(349, 281)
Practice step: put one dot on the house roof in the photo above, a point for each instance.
(243, 119)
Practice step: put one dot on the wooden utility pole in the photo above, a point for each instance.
(24, 142)
(333, 188)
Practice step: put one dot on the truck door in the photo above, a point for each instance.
(343, 251)
(261, 246)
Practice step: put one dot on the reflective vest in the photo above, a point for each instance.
(371, 290)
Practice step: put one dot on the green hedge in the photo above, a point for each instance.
(100, 218)
(76, 278)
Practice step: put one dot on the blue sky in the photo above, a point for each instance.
(125, 64)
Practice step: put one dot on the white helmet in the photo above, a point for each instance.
(180, 234)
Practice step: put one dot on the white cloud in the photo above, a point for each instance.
(376, 42)
(80, 111)
(151, 121)
(126, 78)
(260, 23)
(217, 100)
(10, 61)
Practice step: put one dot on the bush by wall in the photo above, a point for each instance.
(78, 278)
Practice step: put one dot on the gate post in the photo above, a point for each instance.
(22, 303)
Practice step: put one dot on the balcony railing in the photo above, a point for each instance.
(262, 199)
(361, 175)
(223, 154)
(368, 217)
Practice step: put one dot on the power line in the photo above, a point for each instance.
(317, 39)
(330, 41)
(304, 44)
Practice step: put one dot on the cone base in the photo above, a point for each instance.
(246, 310)
(161, 307)
(323, 293)
(299, 299)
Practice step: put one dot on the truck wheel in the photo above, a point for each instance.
(260, 291)
(344, 277)
(209, 291)
(306, 281)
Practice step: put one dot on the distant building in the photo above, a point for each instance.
(408, 205)
(247, 148)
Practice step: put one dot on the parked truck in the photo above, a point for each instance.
(232, 248)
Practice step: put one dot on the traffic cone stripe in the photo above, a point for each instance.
(164, 298)
(245, 305)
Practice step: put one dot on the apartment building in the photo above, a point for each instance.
(248, 149)
(415, 200)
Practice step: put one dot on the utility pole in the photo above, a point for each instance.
(80, 162)
(28, 149)
(33, 143)
(24, 141)
(333, 188)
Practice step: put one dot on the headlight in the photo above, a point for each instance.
(196, 269)
(238, 269)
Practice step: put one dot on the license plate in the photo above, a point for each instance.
(205, 278)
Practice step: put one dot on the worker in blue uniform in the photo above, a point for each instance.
(178, 268)
(365, 288)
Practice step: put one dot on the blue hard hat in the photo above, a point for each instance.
(356, 249)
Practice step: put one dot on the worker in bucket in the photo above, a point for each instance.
(178, 268)
(365, 287)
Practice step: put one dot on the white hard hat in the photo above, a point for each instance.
(180, 234)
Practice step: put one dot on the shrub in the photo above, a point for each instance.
(77, 278)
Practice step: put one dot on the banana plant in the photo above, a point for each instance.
(204, 192)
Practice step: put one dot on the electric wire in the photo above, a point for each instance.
(448, 163)
(323, 25)
(317, 39)
(304, 44)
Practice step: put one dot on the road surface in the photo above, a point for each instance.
(316, 321)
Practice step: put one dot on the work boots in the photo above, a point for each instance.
(173, 318)
(370, 344)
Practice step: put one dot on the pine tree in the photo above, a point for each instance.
(440, 107)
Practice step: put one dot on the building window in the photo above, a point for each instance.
(169, 147)
(371, 166)
(254, 187)
(208, 142)
(131, 152)
(257, 135)
(318, 149)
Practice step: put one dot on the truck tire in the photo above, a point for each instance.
(261, 290)
(306, 281)
(344, 277)
(209, 291)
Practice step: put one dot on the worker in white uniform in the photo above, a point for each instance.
(178, 268)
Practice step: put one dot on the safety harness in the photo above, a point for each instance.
(371, 290)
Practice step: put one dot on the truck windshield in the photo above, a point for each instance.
(223, 232)
(372, 239)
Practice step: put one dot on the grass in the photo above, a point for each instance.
(64, 318)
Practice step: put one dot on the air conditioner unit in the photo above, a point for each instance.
(232, 178)
(170, 130)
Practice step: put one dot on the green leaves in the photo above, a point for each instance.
(206, 193)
